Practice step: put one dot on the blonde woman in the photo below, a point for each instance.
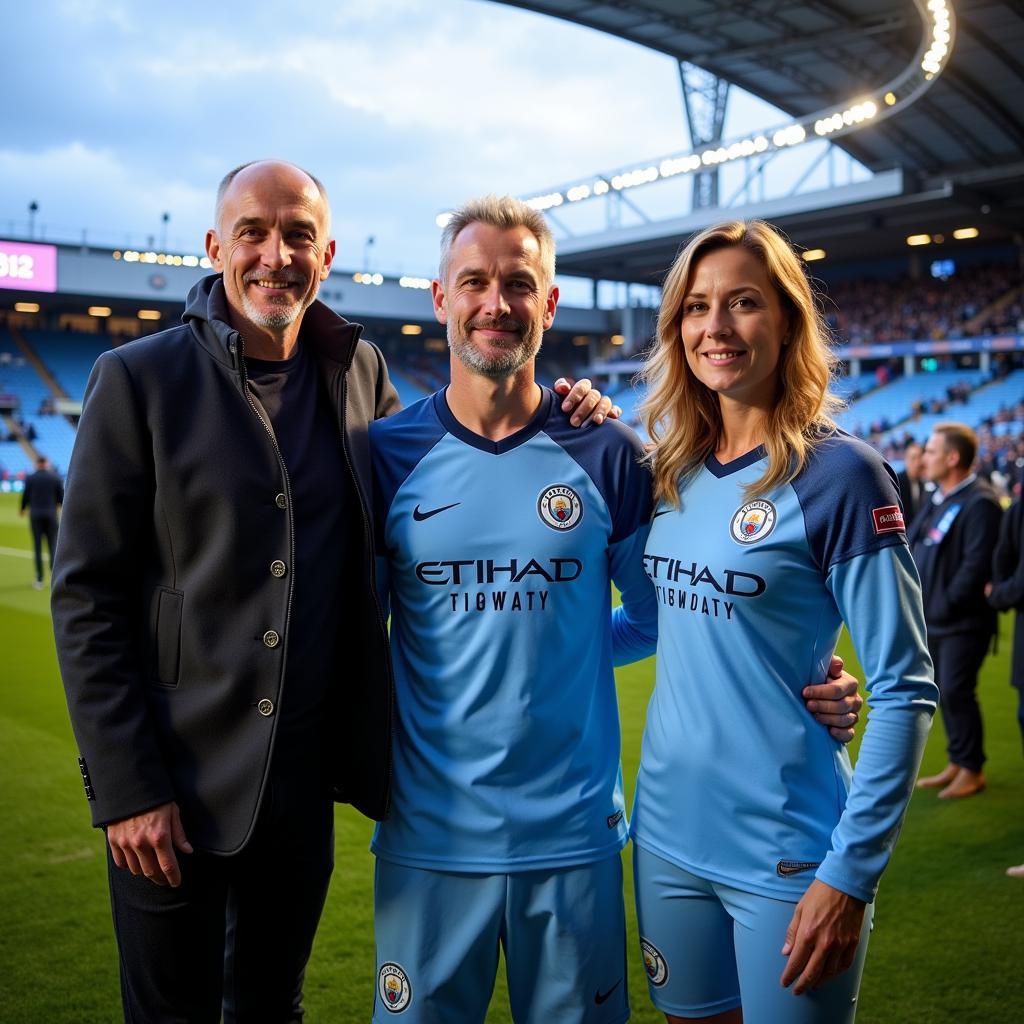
(758, 849)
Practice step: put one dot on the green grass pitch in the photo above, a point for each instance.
(948, 943)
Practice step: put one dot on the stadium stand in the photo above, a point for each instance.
(976, 300)
(409, 391)
(68, 355)
(891, 405)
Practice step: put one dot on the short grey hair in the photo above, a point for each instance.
(504, 213)
(225, 184)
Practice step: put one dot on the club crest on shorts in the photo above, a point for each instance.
(654, 963)
(753, 521)
(394, 988)
(560, 507)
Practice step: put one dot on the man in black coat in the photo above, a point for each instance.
(1005, 592)
(952, 540)
(223, 653)
(42, 497)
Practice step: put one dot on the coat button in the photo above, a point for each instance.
(271, 638)
(281, 501)
(265, 707)
(278, 568)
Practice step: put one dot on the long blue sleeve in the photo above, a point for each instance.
(879, 598)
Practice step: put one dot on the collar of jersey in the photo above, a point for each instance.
(485, 444)
(719, 469)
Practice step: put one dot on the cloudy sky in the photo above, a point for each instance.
(116, 111)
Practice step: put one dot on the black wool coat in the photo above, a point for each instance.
(171, 626)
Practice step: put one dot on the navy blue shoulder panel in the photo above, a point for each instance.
(397, 445)
(850, 501)
(610, 455)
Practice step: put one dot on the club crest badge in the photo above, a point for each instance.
(560, 507)
(394, 988)
(654, 963)
(753, 522)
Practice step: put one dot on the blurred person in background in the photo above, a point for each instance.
(42, 498)
(953, 539)
(1006, 591)
(910, 482)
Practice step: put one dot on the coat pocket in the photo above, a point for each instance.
(167, 654)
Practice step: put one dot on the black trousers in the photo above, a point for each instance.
(1020, 711)
(958, 658)
(235, 936)
(43, 526)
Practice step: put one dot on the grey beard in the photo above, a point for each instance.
(281, 316)
(498, 367)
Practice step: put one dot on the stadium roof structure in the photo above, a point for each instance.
(953, 156)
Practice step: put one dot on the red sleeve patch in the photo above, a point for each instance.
(888, 519)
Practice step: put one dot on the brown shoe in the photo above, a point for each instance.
(1016, 872)
(944, 778)
(966, 783)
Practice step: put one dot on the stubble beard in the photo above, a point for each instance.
(510, 359)
(280, 314)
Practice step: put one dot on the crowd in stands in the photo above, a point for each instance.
(895, 309)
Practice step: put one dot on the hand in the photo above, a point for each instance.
(822, 937)
(145, 844)
(988, 589)
(585, 402)
(836, 704)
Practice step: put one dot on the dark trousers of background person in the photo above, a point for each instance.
(957, 658)
(236, 934)
(1020, 705)
(43, 526)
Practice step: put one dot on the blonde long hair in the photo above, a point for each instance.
(683, 416)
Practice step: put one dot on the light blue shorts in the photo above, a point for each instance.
(438, 934)
(709, 947)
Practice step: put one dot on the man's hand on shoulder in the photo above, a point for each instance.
(145, 844)
(585, 403)
(836, 702)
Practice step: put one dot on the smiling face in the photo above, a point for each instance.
(733, 326)
(271, 243)
(495, 302)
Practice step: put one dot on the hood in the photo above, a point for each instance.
(329, 335)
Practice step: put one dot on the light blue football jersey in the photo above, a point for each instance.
(737, 782)
(497, 557)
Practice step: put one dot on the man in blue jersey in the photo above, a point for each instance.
(499, 528)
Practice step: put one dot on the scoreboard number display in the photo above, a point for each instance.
(25, 266)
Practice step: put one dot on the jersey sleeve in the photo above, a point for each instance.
(635, 621)
(612, 456)
(850, 501)
(878, 595)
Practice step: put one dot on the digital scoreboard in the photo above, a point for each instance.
(27, 267)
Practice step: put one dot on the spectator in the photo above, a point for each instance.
(952, 541)
(43, 495)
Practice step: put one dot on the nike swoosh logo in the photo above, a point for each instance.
(420, 516)
(603, 997)
(794, 867)
(663, 512)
